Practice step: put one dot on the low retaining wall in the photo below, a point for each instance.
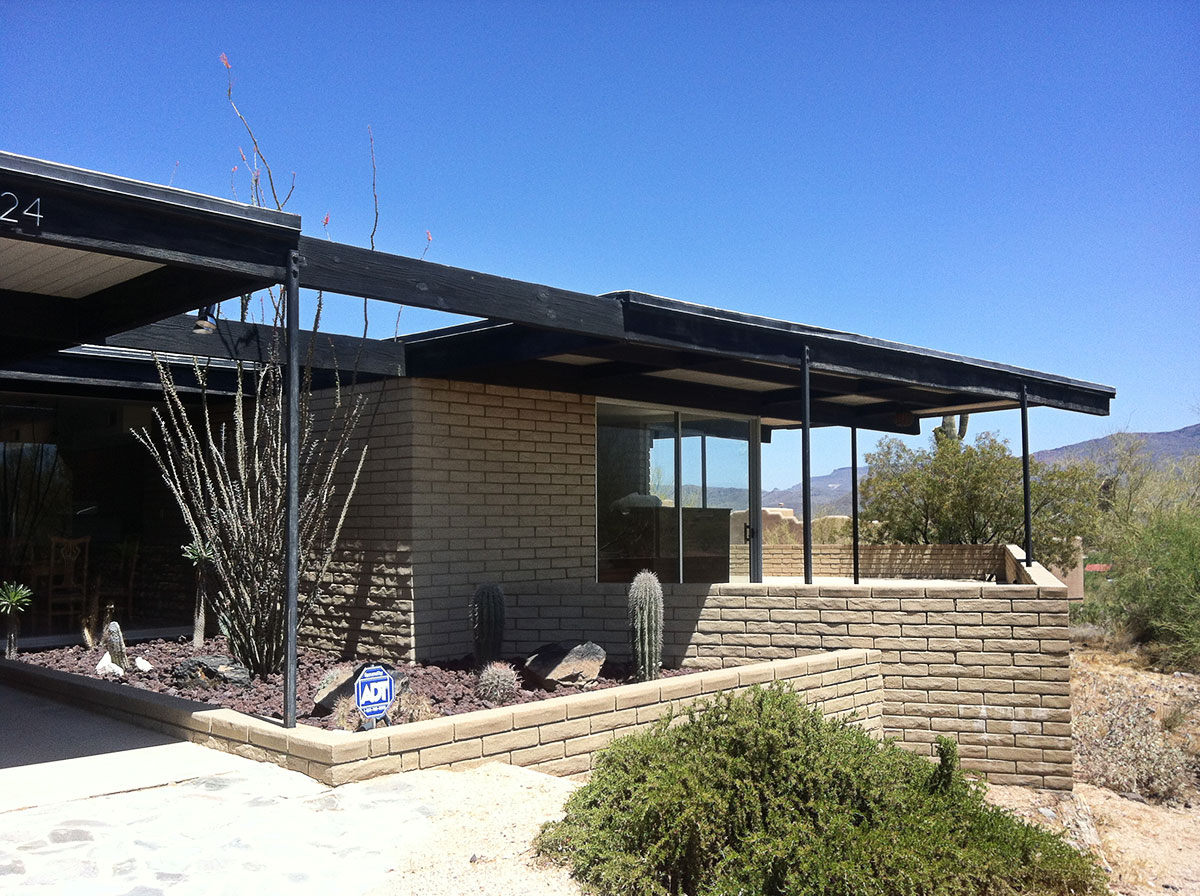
(559, 735)
(986, 664)
(879, 561)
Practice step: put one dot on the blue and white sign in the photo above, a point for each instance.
(374, 692)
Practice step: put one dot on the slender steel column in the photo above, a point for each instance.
(806, 471)
(754, 504)
(854, 494)
(291, 407)
(703, 470)
(1025, 475)
(679, 488)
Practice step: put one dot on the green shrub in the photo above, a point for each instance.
(755, 794)
(1154, 594)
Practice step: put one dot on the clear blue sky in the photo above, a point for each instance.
(1013, 181)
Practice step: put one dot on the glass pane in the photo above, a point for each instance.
(716, 498)
(635, 493)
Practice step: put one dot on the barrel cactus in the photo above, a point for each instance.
(645, 624)
(487, 623)
(497, 683)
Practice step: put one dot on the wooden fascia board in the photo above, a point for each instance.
(444, 356)
(858, 357)
(350, 270)
(71, 374)
(112, 216)
(238, 341)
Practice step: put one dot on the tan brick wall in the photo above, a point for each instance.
(504, 490)
(462, 484)
(367, 609)
(879, 561)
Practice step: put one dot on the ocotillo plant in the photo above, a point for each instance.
(645, 624)
(487, 623)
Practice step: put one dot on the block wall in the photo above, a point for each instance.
(367, 608)
(987, 665)
(879, 561)
(462, 484)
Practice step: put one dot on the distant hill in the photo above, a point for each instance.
(830, 494)
(1161, 447)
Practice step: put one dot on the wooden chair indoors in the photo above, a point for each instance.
(66, 587)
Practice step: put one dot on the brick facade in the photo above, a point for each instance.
(462, 484)
(466, 483)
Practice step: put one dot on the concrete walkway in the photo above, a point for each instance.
(90, 805)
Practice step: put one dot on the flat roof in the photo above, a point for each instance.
(84, 255)
(87, 257)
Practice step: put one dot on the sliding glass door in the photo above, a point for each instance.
(674, 494)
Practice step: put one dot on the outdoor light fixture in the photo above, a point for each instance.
(206, 321)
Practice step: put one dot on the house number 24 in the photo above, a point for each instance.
(11, 212)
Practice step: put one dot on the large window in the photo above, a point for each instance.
(674, 494)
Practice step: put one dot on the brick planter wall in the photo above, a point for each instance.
(559, 735)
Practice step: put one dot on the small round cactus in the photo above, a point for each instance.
(487, 623)
(497, 683)
(645, 625)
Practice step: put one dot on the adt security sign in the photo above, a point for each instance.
(374, 692)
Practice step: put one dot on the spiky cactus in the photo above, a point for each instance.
(497, 683)
(487, 622)
(645, 624)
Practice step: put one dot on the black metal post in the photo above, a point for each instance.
(754, 512)
(806, 471)
(679, 489)
(703, 470)
(291, 406)
(1025, 475)
(854, 494)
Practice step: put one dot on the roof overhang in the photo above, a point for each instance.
(84, 255)
(93, 258)
(674, 353)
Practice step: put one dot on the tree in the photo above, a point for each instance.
(1151, 536)
(958, 493)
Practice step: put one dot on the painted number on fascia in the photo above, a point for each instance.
(11, 212)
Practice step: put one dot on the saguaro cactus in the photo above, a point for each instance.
(645, 624)
(487, 622)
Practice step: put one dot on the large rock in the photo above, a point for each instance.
(339, 682)
(574, 663)
(210, 671)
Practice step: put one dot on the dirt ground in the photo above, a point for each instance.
(1148, 848)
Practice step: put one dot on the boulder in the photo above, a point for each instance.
(339, 682)
(573, 663)
(210, 671)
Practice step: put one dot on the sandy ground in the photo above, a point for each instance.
(481, 843)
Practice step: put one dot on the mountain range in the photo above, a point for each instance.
(831, 493)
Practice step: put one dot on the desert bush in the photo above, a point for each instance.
(1119, 744)
(1154, 593)
(756, 794)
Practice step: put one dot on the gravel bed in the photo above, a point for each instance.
(449, 687)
